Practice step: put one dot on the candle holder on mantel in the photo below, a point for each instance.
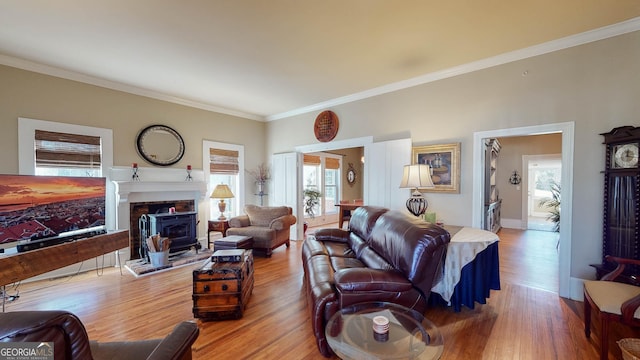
(189, 178)
(134, 176)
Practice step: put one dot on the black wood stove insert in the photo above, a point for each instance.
(179, 227)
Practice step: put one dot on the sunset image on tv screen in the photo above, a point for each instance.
(33, 207)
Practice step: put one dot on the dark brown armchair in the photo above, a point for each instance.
(614, 301)
(70, 340)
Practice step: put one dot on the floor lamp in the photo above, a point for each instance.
(417, 176)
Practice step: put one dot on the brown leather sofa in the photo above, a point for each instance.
(269, 226)
(70, 340)
(384, 256)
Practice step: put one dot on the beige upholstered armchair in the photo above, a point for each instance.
(614, 301)
(268, 226)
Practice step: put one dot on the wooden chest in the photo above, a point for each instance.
(222, 290)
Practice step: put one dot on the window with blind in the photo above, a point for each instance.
(66, 154)
(331, 184)
(223, 161)
(322, 172)
(224, 168)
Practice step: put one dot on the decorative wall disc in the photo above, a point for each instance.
(326, 126)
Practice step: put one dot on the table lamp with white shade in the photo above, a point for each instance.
(222, 192)
(417, 176)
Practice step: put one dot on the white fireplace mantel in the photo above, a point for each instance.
(129, 192)
(158, 190)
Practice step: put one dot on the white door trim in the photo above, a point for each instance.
(567, 130)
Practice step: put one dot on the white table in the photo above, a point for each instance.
(466, 244)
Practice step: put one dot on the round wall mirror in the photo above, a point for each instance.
(160, 145)
(351, 175)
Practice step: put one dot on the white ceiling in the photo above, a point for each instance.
(269, 59)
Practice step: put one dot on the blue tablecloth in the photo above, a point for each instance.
(477, 279)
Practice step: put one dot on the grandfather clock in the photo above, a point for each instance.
(621, 198)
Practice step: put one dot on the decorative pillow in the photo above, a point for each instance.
(263, 215)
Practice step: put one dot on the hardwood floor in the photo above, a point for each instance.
(529, 258)
(523, 320)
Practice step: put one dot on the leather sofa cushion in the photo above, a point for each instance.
(411, 246)
(366, 279)
(322, 270)
(313, 248)
(357, 244)
(373, 260)
(338, 263)
(338, 249)
(363, 219)
(331, 234)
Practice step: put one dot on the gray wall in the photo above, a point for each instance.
(353, 156)
(596, 86)
(42, 97)
(510, 159)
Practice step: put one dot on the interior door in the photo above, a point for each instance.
(286, 171)
(540, 170)
(383, 168)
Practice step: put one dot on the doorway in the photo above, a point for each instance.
(321, 176)
(332, 181)
(544, 173)
(566, 286)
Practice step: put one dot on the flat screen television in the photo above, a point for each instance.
(39, 211)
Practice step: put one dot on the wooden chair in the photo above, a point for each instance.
(346, 216)
(615, 301)
(347, 207)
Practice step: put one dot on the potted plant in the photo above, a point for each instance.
(261, 174)
(553, 203)
(311, 200)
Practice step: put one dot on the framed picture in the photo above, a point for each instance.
(445, 165)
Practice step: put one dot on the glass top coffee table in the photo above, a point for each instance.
(350, 333)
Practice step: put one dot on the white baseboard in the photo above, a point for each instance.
(512, 223)
(576, 286)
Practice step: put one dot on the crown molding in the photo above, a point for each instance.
(551, 46)
(544, 48)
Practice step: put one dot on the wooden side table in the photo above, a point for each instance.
(216, 225)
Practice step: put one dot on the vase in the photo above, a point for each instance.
(261, 193)
(260, 184)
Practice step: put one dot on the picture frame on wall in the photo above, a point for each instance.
(444, 160)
